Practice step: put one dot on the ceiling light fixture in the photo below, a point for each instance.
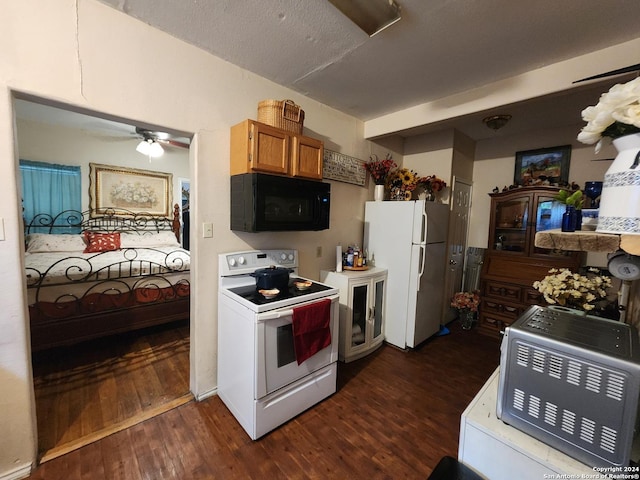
(372, 16)
(496, 122)
(150, 148)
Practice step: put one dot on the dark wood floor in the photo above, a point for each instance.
(395, 414)
(91, 390)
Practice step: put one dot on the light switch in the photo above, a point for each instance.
(207, 230)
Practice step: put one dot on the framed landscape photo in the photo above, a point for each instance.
(544, 164)
(129, 190)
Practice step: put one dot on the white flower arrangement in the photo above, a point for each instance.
(568, 289)
(133, 194)
(616, 114)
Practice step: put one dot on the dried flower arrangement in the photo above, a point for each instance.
(565, 288)
(466, 301)
(379, 169)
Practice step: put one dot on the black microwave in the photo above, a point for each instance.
(271, 203)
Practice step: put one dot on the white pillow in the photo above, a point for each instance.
(148, 239)
(51, 242)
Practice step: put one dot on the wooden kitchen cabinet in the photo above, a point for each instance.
(512, 261)
(257, 147)
(362, 297)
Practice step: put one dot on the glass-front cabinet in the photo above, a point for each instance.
(518, 214)
(362, 297)
(512, 261)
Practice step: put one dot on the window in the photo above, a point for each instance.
(49, 188)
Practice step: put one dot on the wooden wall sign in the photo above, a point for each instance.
(343, 168)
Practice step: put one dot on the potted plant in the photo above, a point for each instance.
(431, 185)
(379, 170)
(572, 218)
(467, 304)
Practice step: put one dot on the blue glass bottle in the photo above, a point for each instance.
(569, 219)
(578, 220)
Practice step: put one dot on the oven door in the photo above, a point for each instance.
(276, 364)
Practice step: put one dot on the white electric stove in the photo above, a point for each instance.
(259, 378)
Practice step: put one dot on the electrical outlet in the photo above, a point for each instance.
(318, 251)
(207, 230)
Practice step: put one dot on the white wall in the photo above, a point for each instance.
(85, 54)
(495, 165)
(68, 146)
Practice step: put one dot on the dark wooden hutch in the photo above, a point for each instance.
(512, 261)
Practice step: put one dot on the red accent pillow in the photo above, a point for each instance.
(101, 242)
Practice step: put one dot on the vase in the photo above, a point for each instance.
(425, 195)
(399, 194)
(466, 318)
(593, 190)
(620, 199)
(569, 219)
(378, 193)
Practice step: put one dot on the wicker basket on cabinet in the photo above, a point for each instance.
(283, 114)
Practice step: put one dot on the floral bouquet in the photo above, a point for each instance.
(431, 184)
(616, 114)
(379, 169)
(401, 182)
(568, 289)
(466, 300)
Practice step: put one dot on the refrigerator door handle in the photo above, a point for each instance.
(424, 228)
(423, 255)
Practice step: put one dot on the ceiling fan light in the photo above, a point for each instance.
(372, 16)
(144, 147)
(155, 150)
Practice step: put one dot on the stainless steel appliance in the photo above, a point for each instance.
(572, 382)
(409, 240)
(259, 377)
(262, 203)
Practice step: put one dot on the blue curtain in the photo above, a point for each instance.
(49, 188)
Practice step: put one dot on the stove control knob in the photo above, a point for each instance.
(241, 260)
(232, 262)
(291, 257)
(283, 256)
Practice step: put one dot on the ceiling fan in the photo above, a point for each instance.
(620, 71)
(152, 141)
(161, 137)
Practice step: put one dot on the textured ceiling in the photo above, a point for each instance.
(438, 48)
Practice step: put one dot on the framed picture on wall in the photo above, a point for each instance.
(544, 164)
(131, 190)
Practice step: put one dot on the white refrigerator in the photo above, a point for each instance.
(409, 240)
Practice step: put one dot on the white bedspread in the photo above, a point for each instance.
(67, 267)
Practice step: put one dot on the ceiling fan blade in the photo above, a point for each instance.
(160, 137)
(173, 143)
(630, 68)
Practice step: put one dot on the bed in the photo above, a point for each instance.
(96, 273)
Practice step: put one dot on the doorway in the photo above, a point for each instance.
(87, 391)
(457, 242)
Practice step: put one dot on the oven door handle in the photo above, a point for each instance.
(274, 315)
(263, 317)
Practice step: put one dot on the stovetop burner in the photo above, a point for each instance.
(250, 292)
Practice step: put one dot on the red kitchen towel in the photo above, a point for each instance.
(311, 329)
